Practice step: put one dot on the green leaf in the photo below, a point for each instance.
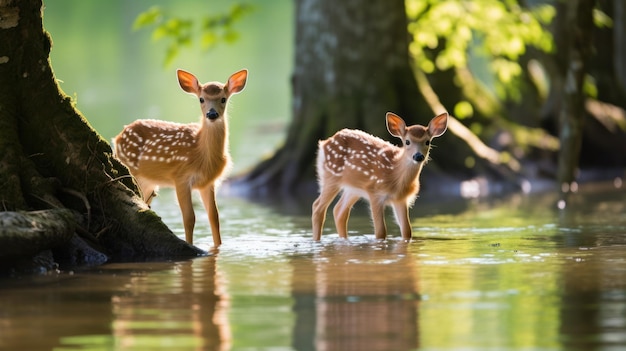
(180, 33)
(184, 40)
(173, 26)
(151, 16)
(239, 10)
(601, 19)
(506, 70)
(208, 40)
(230, 36)
(463, 109)
(160, 32)
(589, 86)
(170, 55)
(544, 13)
(489, 33)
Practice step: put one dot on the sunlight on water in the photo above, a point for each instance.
(520, 273)
(512, 274)
(485, 270)
(244, 225)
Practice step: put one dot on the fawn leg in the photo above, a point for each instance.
(320, 206)
(402, 216)
(208, 199)
(183, 193)
(147, 189)
(378, 217)
(341, 212)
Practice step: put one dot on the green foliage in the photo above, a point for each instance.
(151, 16)
(589, 86)
(601, 19)
(181, 33)
(463, 109)
(447, 32)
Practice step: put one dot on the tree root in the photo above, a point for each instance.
(28, 233)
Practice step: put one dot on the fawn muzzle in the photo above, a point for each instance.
(212, 114)
(418, 157)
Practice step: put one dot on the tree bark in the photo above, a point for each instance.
(351, 67)
(579, 21)
(50, 158)
(619, 40)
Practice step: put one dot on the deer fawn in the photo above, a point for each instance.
(365, 166)
(186, 156)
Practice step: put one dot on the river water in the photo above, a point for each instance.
(503, 274)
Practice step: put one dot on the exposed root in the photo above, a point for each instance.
(82, 197)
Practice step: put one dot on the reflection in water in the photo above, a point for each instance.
(37, 313)
(356, 297)
(503, 275)
(593, 314)
(183, 309)
(127, 307)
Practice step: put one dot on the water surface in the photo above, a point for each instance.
(508, 274)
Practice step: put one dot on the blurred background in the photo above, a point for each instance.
(502, 68)
(117, 74)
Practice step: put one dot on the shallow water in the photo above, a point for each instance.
(508, 274)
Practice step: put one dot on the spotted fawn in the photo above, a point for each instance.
(364, 166)
(185, 156)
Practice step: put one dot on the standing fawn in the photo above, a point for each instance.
(185, 156)
(365, 166)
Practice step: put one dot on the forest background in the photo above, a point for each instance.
(499, 67)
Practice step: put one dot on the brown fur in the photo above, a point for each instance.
(184, 156)
(363, 166)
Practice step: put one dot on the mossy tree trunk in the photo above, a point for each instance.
(51, 160)
(578, 17)
(604, 129)
(597, 117)
(351, 67)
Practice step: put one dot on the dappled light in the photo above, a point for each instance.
(512, 238)
(508, 274)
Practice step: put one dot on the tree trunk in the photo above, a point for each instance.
(351, 67)
(578, 17)
(619, 41)
(605, 127)
(51, 159)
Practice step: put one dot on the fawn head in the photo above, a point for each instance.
(213, 96)
(416, 138)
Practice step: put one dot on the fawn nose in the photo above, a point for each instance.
(418, 157)
(212, 114)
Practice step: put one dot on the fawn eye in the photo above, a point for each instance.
(408, 142)
(427, 142)
(202, 100)
(223, 100)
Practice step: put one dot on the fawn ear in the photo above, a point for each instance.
(395, 125)
(237, 82)
(438, 125)
(188, 82)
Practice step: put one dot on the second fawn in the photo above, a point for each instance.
(185, 156)
(364, 166)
